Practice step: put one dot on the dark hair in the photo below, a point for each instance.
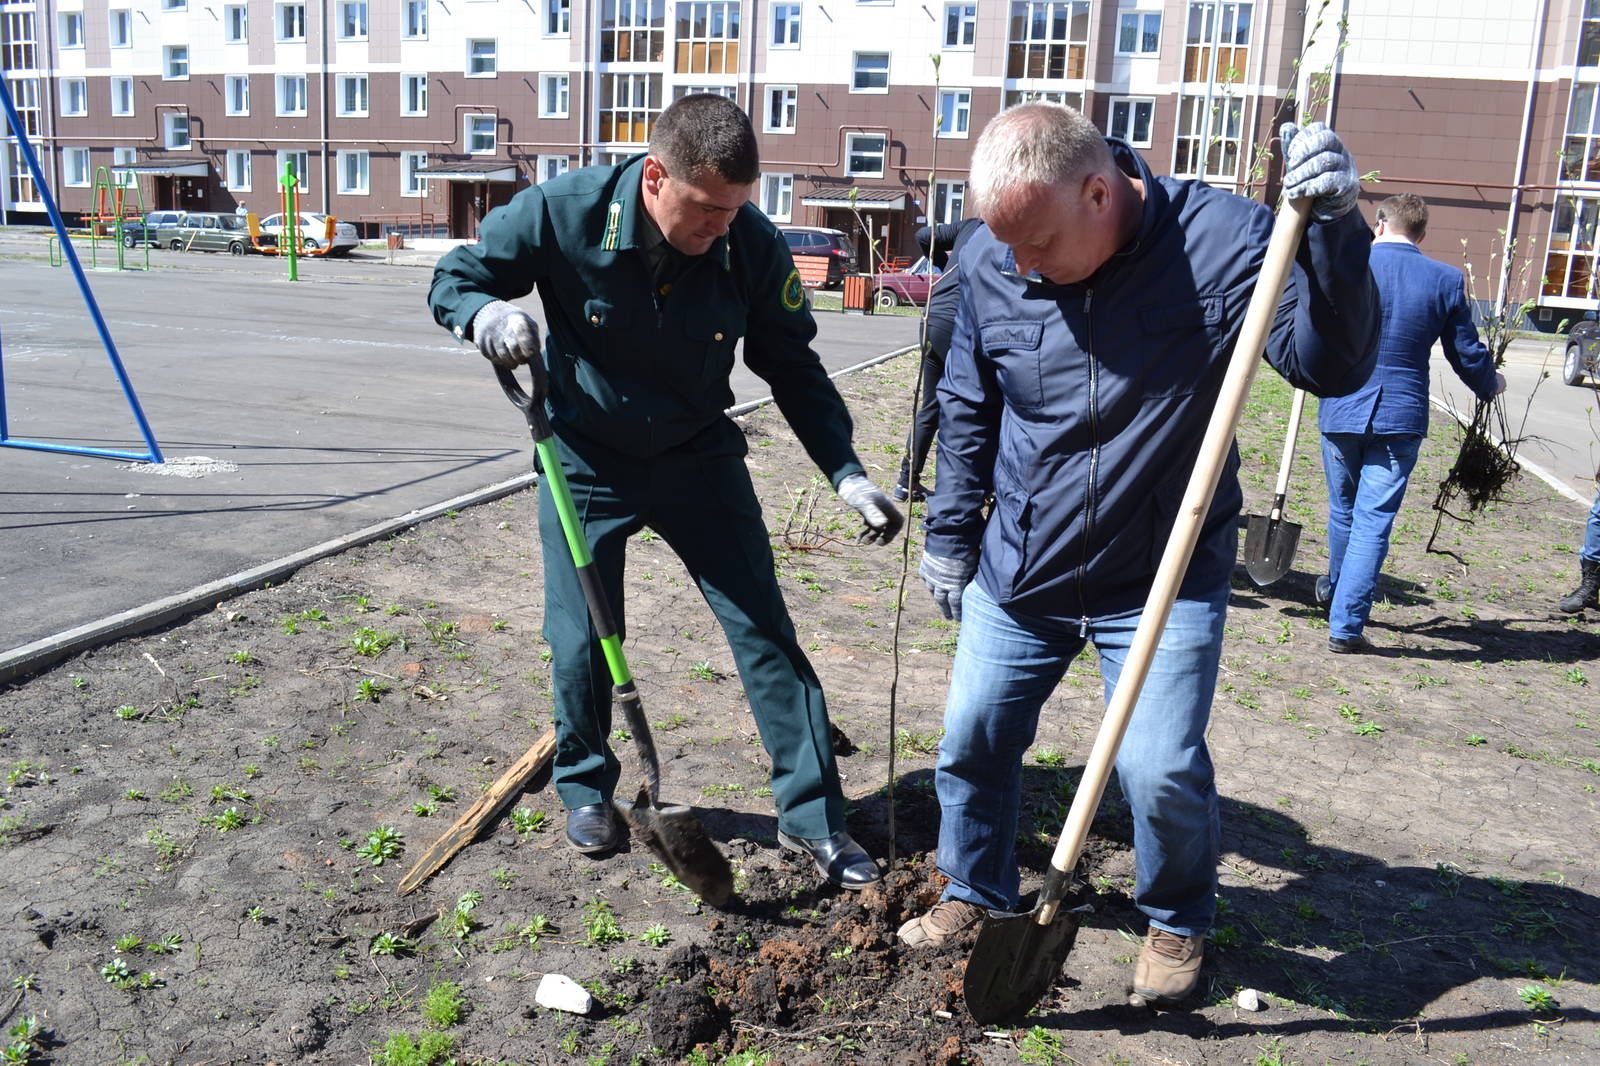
(1406, 214)
(706, 133)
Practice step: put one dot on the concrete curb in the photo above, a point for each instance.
(1523, 461)
(29, 659)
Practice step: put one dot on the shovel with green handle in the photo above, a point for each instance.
(672, 832)
(1017, 957)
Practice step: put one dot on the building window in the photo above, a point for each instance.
(352, 95)
(691, 89)
(552, 166)
(786, 25)
(783, 107)
(123, 157)
(25, 96)
(175, 62)
(74, 97)
(1130, 119)
(353, 20)
(413, 95)
(960, 25)
(1208, 136)
(236, 24)
(291, 94)
(955, 112)
(239, 169)
(121, 22)
(302, 167)
(1139, 33)
(777, 196)
(17, 45)
(174, 5)
(1217, 45)
(354, 172)
(482, 57)
(236, 94)
(949, 201)
(76, 167)
(1580, 155)
(864, 154)
(1569, 264)
(1589, 36)
(416, 20)
(411, 185)
(629, 104)
(175, 130)
(1049, 39)
(707, 34)
(632, 31)
(1013, 97)
(558, 18)
(291, 22)
(480, 134)
(71, 29)
(122, 96)
(554, 95)
(871, 73)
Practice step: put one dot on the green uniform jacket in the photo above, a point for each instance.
(638, 372)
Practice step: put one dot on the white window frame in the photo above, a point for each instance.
(1130, 112)
(777, 197)
(555, 95)
(949, 201)
(851, 151)
(789, 25)
(231, 170)
(174, 5)
(124, 17)
(117, 82)
(74, 97)
(558, 18)
(121, 158)
(469, 121)
(235, 24)
(344, 106)
(235, 102)
(782, 103)
(411, 186)
(960, 108)
(361, 185)
(407, 81)
(356, 33)
(1139, 19)
(175, 58)
(414, 21)
(961, 26)
(283, 155)
(279, 83)
(175, 136)
(71, 25)
(547, 167)
(74, 160)
(473, 56)
(294, 29)
(856, 72)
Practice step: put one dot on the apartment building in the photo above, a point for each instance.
(426, 113)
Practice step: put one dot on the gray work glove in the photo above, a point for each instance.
(508, 337)
(882, 517)
(1317, 165)
(946, 578)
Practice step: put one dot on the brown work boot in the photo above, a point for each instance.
(1168, 970)
(936, 928)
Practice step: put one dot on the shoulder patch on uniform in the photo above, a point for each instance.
(608, 241)
(794, 294)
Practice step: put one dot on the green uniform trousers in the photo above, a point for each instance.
(700, 500)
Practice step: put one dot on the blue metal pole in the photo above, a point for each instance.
(83, 285)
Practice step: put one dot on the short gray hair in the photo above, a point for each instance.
(1033, 144)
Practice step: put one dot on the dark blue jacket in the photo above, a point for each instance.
(947, 238)
(1081, 408)
(1423, 301)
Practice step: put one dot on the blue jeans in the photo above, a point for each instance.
(1367, 475)
(1007, 664)
(1591, 533)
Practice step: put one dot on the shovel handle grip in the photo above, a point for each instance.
(532, 410)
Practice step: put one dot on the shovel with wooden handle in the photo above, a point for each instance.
(1017, 957)
(1269, 541)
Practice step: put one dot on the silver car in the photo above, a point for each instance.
(205, 232)
(313, 230)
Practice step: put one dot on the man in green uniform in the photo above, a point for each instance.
(650, 273)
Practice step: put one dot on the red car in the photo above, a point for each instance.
(910, 286)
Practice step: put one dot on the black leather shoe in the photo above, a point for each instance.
(592, 829)
(1323, 591)
(838, 858)
(1355, 645)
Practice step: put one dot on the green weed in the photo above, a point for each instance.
(444, 1004)
(600, 923)
(383, 843)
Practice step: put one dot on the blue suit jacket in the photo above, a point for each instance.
(1423, 300)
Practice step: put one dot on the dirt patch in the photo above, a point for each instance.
(202, 828)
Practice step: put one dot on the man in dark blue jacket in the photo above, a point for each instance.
(1370, 438)
(1098, 310)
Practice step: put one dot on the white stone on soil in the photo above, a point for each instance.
(559, 992)
(1249, 999)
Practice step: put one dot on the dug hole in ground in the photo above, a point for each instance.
(203, 828)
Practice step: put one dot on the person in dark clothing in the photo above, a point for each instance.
(942, 245)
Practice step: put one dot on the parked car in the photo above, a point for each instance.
(823, 256)
(205, 232)
(910, 286)
(1583, 354)
(155, 228)
(313, 229)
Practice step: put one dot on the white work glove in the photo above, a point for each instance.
(946, 578)
(876, 509)
(508, 337)
(1316, 165)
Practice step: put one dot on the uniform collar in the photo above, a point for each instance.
(629, 226)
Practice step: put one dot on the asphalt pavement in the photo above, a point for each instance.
(313, 411)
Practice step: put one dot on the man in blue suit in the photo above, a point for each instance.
(1370, 438)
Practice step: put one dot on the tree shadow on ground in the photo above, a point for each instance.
(1495, 641)
(1295, 593)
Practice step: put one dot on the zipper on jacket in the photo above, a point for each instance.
(1094, 447)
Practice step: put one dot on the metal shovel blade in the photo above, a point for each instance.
(678, 839)
(1269, 546)
(1015, 962)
